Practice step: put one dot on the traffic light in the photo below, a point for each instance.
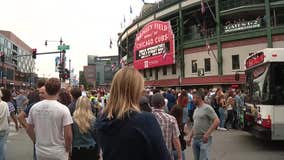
(2, 55)
(60, 70)
(34, 53)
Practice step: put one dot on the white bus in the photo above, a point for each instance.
(264, 71)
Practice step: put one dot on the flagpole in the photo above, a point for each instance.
(205, 29)
(206, 1)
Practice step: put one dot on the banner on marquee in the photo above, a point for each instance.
(154, 46)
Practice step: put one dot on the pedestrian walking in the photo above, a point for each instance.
(7, 97)
(4, 126)
(230, 113)
(205, 122)
(168, 125)
(177, 112)
(34, 97)
(21, 101)
(75, 93)
(64, 97)
(84, 146)
(49, 125)
(123, 131)
(145, 104)
(222, 111)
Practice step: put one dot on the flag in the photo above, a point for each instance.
(110, 43)
(130, 9)
(202, 7)
(208, 47)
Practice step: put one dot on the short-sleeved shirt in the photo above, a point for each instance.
(168, 125)
(49, 118)
(20, 99)
(203, 118)
(4, 114)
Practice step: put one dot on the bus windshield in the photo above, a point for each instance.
(266, 84)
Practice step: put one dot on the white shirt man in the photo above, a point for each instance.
(49, 126)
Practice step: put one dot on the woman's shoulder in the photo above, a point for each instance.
(142, 119)
(144, 116)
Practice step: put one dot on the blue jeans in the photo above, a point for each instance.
(176, 156)
(201, 150)
(3, 142)
(222, 114)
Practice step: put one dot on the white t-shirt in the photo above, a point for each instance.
(49, 118)
(4, 114)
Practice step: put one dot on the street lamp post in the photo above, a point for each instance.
(61, 57)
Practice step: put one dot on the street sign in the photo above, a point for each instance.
(63, 47)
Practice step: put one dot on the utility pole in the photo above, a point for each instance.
(62, 50)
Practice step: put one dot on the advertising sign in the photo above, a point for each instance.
(154, 46)
(242, 26)
(255, 60)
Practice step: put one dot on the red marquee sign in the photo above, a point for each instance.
(154, 46)
(255, 60)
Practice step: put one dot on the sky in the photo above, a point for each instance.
(86, 25)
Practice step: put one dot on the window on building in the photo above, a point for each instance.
(144, 73)
(15, 48)
(235, 62)
(194, 66)
(165, 70)
(10, 74)
(174, 69)
(207, 64)
(150, 70)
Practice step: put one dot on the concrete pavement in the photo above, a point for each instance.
(227, 145)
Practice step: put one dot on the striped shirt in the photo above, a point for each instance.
(11, 107)
(168, 126)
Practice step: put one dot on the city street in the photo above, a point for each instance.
(227, 145)
(19, 146)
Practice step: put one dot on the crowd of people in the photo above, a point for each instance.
(125, 122)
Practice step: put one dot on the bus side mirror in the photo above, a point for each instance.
(237, 76)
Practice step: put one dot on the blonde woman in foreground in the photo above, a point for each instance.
(123, 131)
(84, 144)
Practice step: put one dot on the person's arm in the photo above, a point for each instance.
(67, 123)
(177, 146)
(213, 116)
(31, 132)
(68, 138)
(22, 119)
(190, 136)
(214, 125)
(175, 140)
